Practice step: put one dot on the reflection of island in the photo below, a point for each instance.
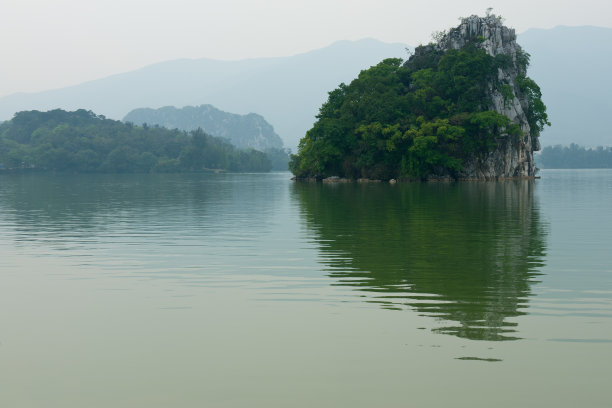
(465, 253)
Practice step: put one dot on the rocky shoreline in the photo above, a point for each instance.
(342, 180)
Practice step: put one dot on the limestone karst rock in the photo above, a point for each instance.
(460, 108)
(512, 158)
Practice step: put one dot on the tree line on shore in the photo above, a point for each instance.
(575, 157)
(82, 141)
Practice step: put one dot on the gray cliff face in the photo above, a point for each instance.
(243, 131)
(512, 158)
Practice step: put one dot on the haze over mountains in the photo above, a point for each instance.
(573, 67)
(286, 91)
(243, 131)
(571, 64)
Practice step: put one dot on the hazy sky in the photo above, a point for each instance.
(47, 44)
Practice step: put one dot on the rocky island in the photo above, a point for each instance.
(461, 107)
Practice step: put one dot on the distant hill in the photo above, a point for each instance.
(286, 91)
(572, 65)
(242, 131)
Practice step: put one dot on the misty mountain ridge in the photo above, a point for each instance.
(571, 65)
(243, 131)
(287, 91)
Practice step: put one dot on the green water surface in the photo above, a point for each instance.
(249, 290)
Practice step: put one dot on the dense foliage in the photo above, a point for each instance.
(82, 141)
(412, 120)
(575, 157)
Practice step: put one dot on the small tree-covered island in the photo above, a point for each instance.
(84, 142)
(460, 108)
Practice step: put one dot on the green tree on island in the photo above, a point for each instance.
(419, 118)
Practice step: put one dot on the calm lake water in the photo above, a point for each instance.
(248, 290)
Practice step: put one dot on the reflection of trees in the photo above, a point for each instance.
(42, 206)
(178, 226)
(67, 202)
(465, 252)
